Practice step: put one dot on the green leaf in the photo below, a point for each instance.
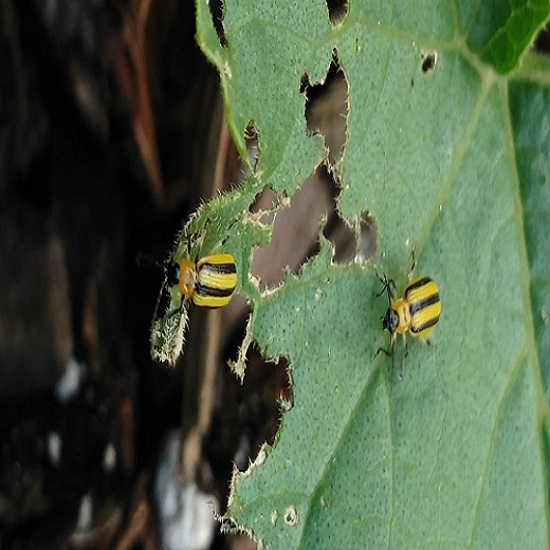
(500, 32)
(268, 50)
(529, 103)
(452, 162)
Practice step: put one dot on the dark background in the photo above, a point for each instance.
(111, 133)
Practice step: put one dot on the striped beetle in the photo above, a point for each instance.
(207, 282)
(417, 311)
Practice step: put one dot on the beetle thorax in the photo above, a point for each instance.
(401, 308)
(188, 276)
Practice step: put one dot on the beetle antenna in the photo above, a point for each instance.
(387, 287)
(144, 259)
(158, 302)
(413, 264)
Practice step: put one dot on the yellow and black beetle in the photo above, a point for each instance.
(207, 282)
(210, 282)
(417, 311)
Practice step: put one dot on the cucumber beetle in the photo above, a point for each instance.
(417, 311)
(207, 282)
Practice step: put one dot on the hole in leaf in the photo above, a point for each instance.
(337, 10)
(291, 517)
(295, 236)
(250, 415)
(349, 243)
(251, 140)
(216, 11)
(542, 42)
(304, 83)
(327, 110)
(342, 238)
(368, 236)
(428, 62)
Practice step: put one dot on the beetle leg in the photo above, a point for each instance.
(404, 355)
(381, 350)
(387, 287)
(413, 264)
